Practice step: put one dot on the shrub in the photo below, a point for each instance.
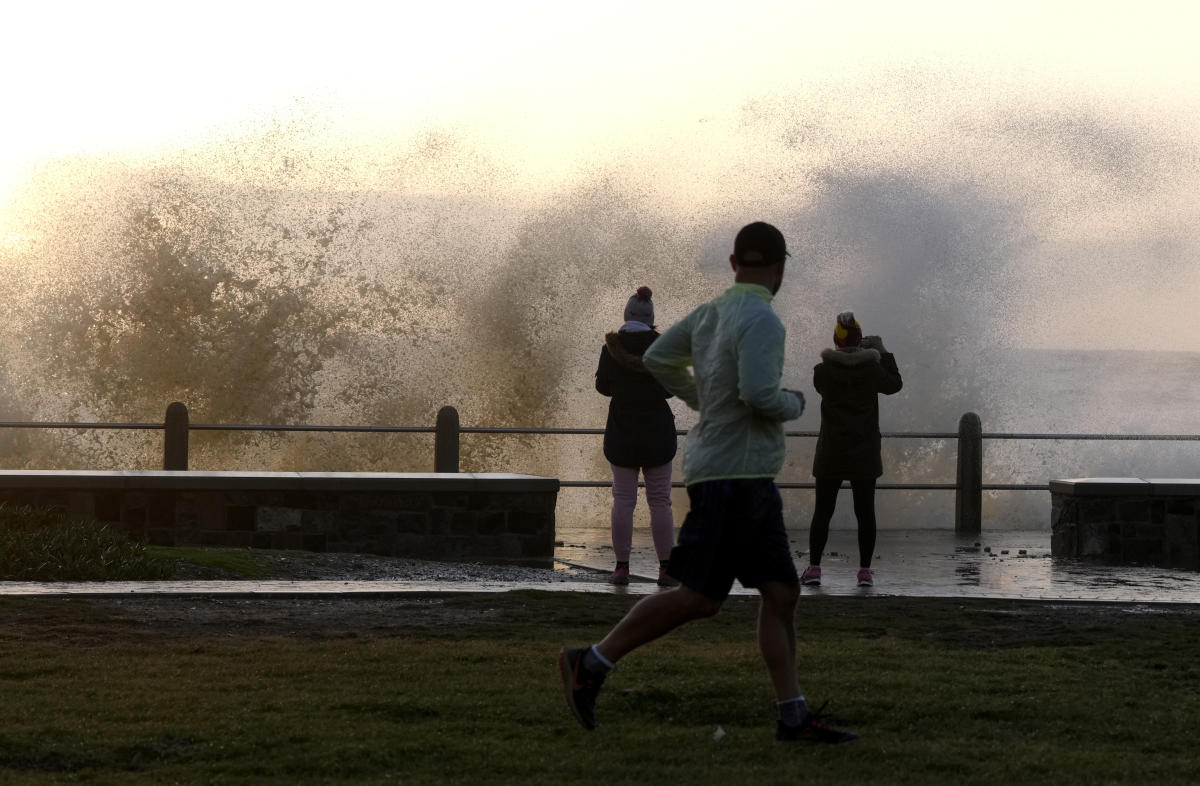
(43, 544)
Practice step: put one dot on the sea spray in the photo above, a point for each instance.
(277, 278)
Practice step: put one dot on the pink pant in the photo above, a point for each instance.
(658, 497)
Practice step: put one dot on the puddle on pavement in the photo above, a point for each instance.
(918, 563)
(1000, 564)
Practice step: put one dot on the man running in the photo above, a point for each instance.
(734, 529)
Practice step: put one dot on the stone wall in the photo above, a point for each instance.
(481, 517)
(1127, 521)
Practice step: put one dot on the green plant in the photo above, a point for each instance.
(46, 544)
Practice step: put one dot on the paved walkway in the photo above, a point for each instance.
(917, 563)
(936, 563)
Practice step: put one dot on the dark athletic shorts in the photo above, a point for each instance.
(734, 530)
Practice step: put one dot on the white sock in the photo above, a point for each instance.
(594, 661)
(793, 711)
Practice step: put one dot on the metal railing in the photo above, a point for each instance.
(968, 485)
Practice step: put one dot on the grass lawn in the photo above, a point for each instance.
(244, 563)
(464, 689)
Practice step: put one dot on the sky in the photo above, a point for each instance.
(121, 77)
(551, 88)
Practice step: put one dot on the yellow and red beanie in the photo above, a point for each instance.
(846, 331)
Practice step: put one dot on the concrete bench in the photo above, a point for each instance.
(1147, 521)
(492, 517)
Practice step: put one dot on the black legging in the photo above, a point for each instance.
(863, 490)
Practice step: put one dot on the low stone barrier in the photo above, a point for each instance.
(1148, 521)
(486, 517)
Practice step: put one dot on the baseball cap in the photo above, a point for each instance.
(759, 244)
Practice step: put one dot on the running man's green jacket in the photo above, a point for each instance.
(734, 345)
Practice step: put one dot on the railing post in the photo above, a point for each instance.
(445, 441)
(175, 437)
(968, 496)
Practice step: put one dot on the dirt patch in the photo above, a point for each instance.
(223, 617)
(95, 621)
(90, 621)
(341, 566)
(970, 624)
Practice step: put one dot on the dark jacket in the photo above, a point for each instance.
(849, 384)
(640, 431)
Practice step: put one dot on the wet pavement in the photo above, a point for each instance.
(916, 563)
(936, 563)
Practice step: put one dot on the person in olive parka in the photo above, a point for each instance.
(849, 379)
(639, 435)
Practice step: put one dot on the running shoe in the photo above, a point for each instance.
(665, 580)
(811, 576)
(620, 576)
(813, 729)
(866, 578)
(580, 686)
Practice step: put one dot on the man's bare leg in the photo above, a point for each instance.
(655, 616)
(583, 671)
(777, 636)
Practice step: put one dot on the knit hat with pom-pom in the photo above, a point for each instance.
(640, 307)
(847, 332)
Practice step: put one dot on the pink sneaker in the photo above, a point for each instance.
(666, 580)
(811, 576)
(619, 576)
(866, 578)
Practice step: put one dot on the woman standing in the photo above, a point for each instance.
(638, 436)
(849, 379)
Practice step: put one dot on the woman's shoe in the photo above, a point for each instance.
(811, 576)
(620, 576)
